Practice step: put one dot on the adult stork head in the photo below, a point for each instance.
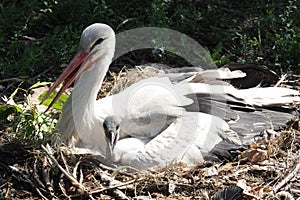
(97, 41)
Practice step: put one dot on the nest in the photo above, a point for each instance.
(268, 169)
(262, 171)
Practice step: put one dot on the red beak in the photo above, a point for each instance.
(71, 72)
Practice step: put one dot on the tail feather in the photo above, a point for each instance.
(248, 111)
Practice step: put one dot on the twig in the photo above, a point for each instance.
(116, 193)
(277, 187)
(281, 80)
(8, 191)
(125, 21)
(81, 175)
(36, 176)
(75, 169)
(46, 177)
(69, 176)
(4, 184)
(11, 79)
(116, 80)
(98, 163)
(295, 190)
(107, 167)
(117, 186)
(64, 161)
(61, 186)
(26, 180)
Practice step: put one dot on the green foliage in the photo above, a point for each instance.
(7, 110)
(28, 124)
(272, 36)
(58, 104)
(26, 121)
(220, 58)
(38, 35)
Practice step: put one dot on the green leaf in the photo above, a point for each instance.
(6, 110)
(39, 84)
(58, 104)
(14, 93)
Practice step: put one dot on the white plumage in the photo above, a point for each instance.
(160, 121)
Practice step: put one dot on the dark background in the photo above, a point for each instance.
(37, 37)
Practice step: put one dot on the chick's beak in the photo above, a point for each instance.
(111, 130)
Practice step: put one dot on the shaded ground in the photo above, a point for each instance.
(269, 169)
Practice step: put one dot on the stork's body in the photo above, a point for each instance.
(161, 122)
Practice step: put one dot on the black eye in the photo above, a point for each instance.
(97, 42)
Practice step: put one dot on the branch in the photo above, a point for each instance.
(68, 175)
(277, 187)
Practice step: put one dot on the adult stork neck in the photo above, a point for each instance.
(86, 120)
(88, 85)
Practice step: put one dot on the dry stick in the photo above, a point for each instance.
(118, 78)
(116, 193)
(81, 175)
(64, 161)
(295, 191)
(286, 179)
(116, 186)
(4, 184)
(281, 80)
(62, 188)
(111, 187)
(101, 165)
(7, 191)
(106, 167)
(98, 162)
(125, 21)
(24, 178)
(36, 176)
(69, 176)
(46, 177)
(11, 79)
(75, 169)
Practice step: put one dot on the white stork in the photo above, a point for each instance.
(156, 121)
